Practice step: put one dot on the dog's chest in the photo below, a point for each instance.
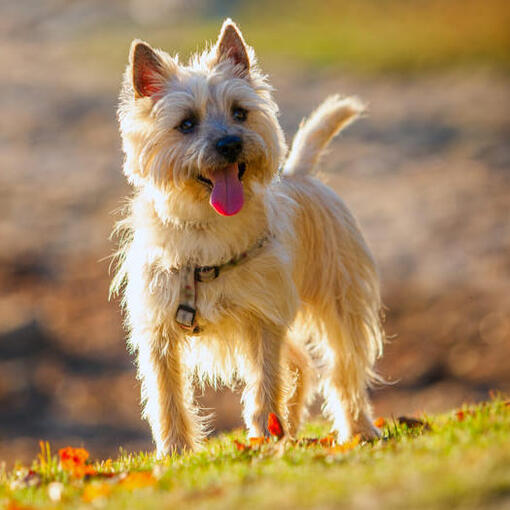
(194, 272)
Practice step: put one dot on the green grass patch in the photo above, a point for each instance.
(457, 460)
(365, 35)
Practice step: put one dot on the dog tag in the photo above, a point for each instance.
(185, 317)
(186, 311)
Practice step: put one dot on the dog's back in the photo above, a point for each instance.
(334, 272)
(337, 270)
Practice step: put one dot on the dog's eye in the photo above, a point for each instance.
(187, 125)
(239, 114)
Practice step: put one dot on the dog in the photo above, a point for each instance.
(235, 263)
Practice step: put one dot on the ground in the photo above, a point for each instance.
(456, 460)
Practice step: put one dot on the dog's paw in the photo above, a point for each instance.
(366, 430)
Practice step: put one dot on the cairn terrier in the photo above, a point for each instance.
(235, 263)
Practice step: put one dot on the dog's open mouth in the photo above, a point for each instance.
(227, 195)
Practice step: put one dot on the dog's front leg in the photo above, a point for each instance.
(264, 380)
(168, 396)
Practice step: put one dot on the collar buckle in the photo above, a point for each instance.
(206, 273)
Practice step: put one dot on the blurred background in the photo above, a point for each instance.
(427, 173)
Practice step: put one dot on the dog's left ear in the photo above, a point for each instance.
(231, 46)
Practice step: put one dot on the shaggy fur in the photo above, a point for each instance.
(309, 299)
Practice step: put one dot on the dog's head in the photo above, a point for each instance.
(206, 131)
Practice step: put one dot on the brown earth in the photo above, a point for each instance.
(427, 174)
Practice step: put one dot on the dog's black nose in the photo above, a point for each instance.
(230, 147)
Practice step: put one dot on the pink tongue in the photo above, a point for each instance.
(227, 195)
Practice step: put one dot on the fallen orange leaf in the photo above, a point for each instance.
(274, 426)
(73, 455)
(83, 470)
(461, 415)
(345, 447)
(14, 505)
(329, 440)
(74, 461)
(95, 491)
(241, 446)
(379, 422)
(258, 441)
(138, 480)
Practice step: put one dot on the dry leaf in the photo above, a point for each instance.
(14, 505)
(379, 422)
(413, 422)
(329, 440)
(241, 446)
(138, 480)
(274, 426)
(73, 460)
(95, 491)
(345, 447)
(257, 441)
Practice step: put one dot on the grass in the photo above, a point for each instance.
(371, 36)
(457, 460)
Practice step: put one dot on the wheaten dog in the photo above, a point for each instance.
(230, 269)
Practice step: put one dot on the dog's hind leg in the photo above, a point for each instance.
(300, 371)
(345, 381)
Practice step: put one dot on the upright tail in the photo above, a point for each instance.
(318, 130)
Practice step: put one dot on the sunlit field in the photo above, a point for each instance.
(367, 35)
(457, 460)
(426, 172)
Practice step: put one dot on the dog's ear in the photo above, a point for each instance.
(148, 71)
(231, 46)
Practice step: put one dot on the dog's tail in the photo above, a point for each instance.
(318, 130)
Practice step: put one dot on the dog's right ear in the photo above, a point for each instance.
(148, 71)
